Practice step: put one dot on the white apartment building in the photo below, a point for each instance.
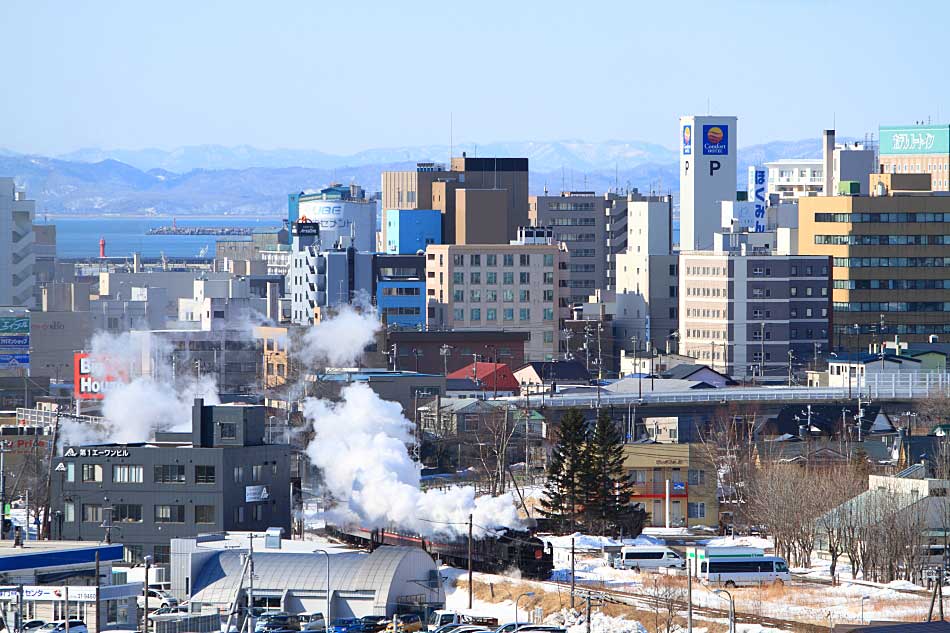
(17, 275)
(791, 178)
(513, 287)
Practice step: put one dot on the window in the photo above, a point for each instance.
(169, 514)
(257, 472)
(491, 296)
(524, 278)
(475, 259)
(524, 314)
(696, 477)
(127, 513)
(257, 512)
(458, 260)
(508, 260)
(238, 474)
(549, 295)
(491, 260)
(126, 474)
(508, 279)
(458, 295)
(549, 278)
(91, 513)
(476, 314)
(134, 554)
(475, 278)
(509, 314)
(92, 473)
(204, 514)
(549, 260)
(549, 337)
(475, 296)
(204, 474)
(524, 295)
(491, 314)
(162, 554)
(170, 474)
(70, 471)
(696, 510)
(491, 278)
(69, 511)
(549, 314)
(239, 514)
(793, 291)
(228, 430)
(508, 296)
(458, 314)
(524, 259)
(458, 278)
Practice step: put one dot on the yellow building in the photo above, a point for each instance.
(692, 488)
(891, 259)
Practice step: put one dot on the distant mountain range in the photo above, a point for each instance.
(211, 179)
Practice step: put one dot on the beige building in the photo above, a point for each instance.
(431, 186)
(692, 483)
(512, 287)
(890, 259)
(917, 149)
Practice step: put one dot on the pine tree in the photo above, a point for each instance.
(566, 486)
(608, 488)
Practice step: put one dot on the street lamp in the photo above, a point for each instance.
(863, 599)
(528, 594)
(732, 608)
(326, 616)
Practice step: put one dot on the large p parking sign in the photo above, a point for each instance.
(714, 166)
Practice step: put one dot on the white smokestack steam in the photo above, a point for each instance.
(137, 405)
(360, 445)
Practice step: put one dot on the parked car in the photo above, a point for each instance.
(648, 557)
(374, 623)
(510, 627)
(313, 622)
(157, 599)
(275, 620)
(59, 626)
(346, 625)
(29, 625)
(408, 623)
(540, 628)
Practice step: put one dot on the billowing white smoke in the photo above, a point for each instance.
(360, 445)
(341, 340)
(139, 404)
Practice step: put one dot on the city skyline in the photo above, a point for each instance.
(139, 76)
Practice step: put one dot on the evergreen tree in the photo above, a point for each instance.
(608, 488)
(566, 486)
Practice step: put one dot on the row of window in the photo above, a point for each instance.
(572, 222)
(508, 314)
(892, 306)
(491, 259)
(899, 328)
(491, 296)
(164, 473)
(402, 311)
(893, 262)
(491, 279)
(401, 292)
(893, 218)
(694, 477)
(161, 513)
(882, 240)
(892, 284)
(582, 268)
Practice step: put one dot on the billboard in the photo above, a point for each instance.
(687, 140)
(342, 219)
(716, 140)
(916, 139)
(758, 196)
(93, 378)
(15, 341)
(15, 324)
(253, 494)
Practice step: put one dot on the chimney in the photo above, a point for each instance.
(136, 262)
(828, 159)
(202, 425)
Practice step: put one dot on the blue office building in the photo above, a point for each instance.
(409, 231)
(402, 302)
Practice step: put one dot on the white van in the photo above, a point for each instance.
(648, 557)
(744, 571)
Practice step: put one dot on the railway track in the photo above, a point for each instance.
(637, 599)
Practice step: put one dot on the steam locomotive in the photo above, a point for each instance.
(510, 550)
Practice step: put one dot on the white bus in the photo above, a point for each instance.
(744, 571)
(647, 557)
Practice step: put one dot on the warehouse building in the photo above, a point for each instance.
(292, 576)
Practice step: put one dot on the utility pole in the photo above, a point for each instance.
(880, 333)
(790, 357)
(470, 561)
(600, 363)
(572, 572)
(98, 604)
(689, 593)
(47, 520)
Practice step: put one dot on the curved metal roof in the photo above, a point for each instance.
(306, 573)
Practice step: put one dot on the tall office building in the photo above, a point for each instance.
(17, 275)
(515, 287)
(577, 218)
(917, 149)
(707, 149)
(347, 218)
(482, 200)
(890, 252)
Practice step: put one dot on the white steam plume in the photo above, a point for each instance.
(360, 445)
(138, 403)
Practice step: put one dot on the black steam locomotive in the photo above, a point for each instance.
(508, 551)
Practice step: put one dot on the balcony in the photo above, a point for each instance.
(658, 489)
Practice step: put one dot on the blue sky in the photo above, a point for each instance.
(348, 75)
